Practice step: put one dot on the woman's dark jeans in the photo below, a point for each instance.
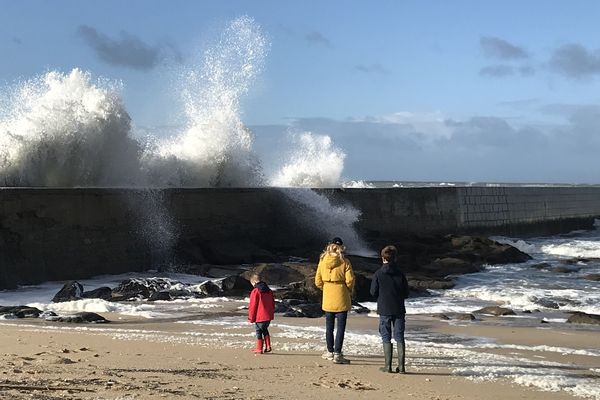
(330, 318)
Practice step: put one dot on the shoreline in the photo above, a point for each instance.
(209, 357)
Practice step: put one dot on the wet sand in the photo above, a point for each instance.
(154, 359)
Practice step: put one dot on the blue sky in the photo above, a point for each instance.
(410, 90)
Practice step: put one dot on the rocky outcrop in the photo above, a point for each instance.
(19, 312)
(82, 317)
(495, 310)
(70, 291)
(583, 318)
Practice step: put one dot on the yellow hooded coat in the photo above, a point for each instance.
(335, 277)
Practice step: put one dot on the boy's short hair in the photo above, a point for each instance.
(389, 253)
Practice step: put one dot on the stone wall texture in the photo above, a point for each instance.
(57, 234)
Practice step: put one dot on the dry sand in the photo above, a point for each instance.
(152, 359)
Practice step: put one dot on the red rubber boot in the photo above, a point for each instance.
(267, 344)
(259, 347)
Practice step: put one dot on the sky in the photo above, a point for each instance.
(467, 91)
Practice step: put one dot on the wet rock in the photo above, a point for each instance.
(547, 303)
(359, 308)
(164, 296)
(307, 310)
(564, 269)
(281, 307)
(281, 274)
(209, 288)
(543, 265)
(419, 283)
(443, 317)
(81, 317)
(19, 312)
(584, 318)
(235, 285)
(70, 291)
(142, 288)
(104, 293)
(362, 287)
(495, 310)
(592, 277)
(464, 317)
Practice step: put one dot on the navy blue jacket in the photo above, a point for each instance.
(390, 287)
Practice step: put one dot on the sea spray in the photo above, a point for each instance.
(156, 225)
(314, 163)
(215, 149)
(315, 212)
(64, 130)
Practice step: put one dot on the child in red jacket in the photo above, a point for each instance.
(261, 311)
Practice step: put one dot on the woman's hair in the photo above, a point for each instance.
(389, 253)
(334, 250)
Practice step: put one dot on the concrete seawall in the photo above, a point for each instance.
(59, 234)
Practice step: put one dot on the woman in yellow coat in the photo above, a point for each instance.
(335, 277)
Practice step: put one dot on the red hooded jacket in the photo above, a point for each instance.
(262, 304)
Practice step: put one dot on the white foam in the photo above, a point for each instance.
(358, 185)
(575, 248)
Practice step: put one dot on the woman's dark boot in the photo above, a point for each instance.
(401, 367)
(388, 351)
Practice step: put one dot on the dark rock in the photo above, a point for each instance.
(495, 310)
(130, 289)
(209, 288)
(584, 318)
(307, 310)
(160, 296)
(592, 277)
(362, 287)
(464, 317)
(281, 274)
(442, 267)
(281, 307)
(576, 260)
(20, 311)
(543, 265)
(359, 308)
(564, 269)
(547, 303)
(81, 318)
(235, 285)
(71, 290)
(141, 288)
(104, 293)
(443, 317)
(419, 283)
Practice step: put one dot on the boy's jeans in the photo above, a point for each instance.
(330, 318)
(262, 329)
(389, 322)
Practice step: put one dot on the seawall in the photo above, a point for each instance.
(57, 234)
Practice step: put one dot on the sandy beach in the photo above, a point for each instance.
(208, 357)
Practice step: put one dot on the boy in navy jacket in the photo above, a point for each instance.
(390, 287)
(261, 312)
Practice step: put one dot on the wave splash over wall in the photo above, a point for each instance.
(66, 130)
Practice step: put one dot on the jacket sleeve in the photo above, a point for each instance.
(375, 285)
(253, 306)
(318, 277)
(349, 276)
(405, 288)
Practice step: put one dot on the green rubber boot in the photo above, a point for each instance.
(388, 350)
(401, 368)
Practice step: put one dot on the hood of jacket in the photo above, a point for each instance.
(262, 287)
(332, 261)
